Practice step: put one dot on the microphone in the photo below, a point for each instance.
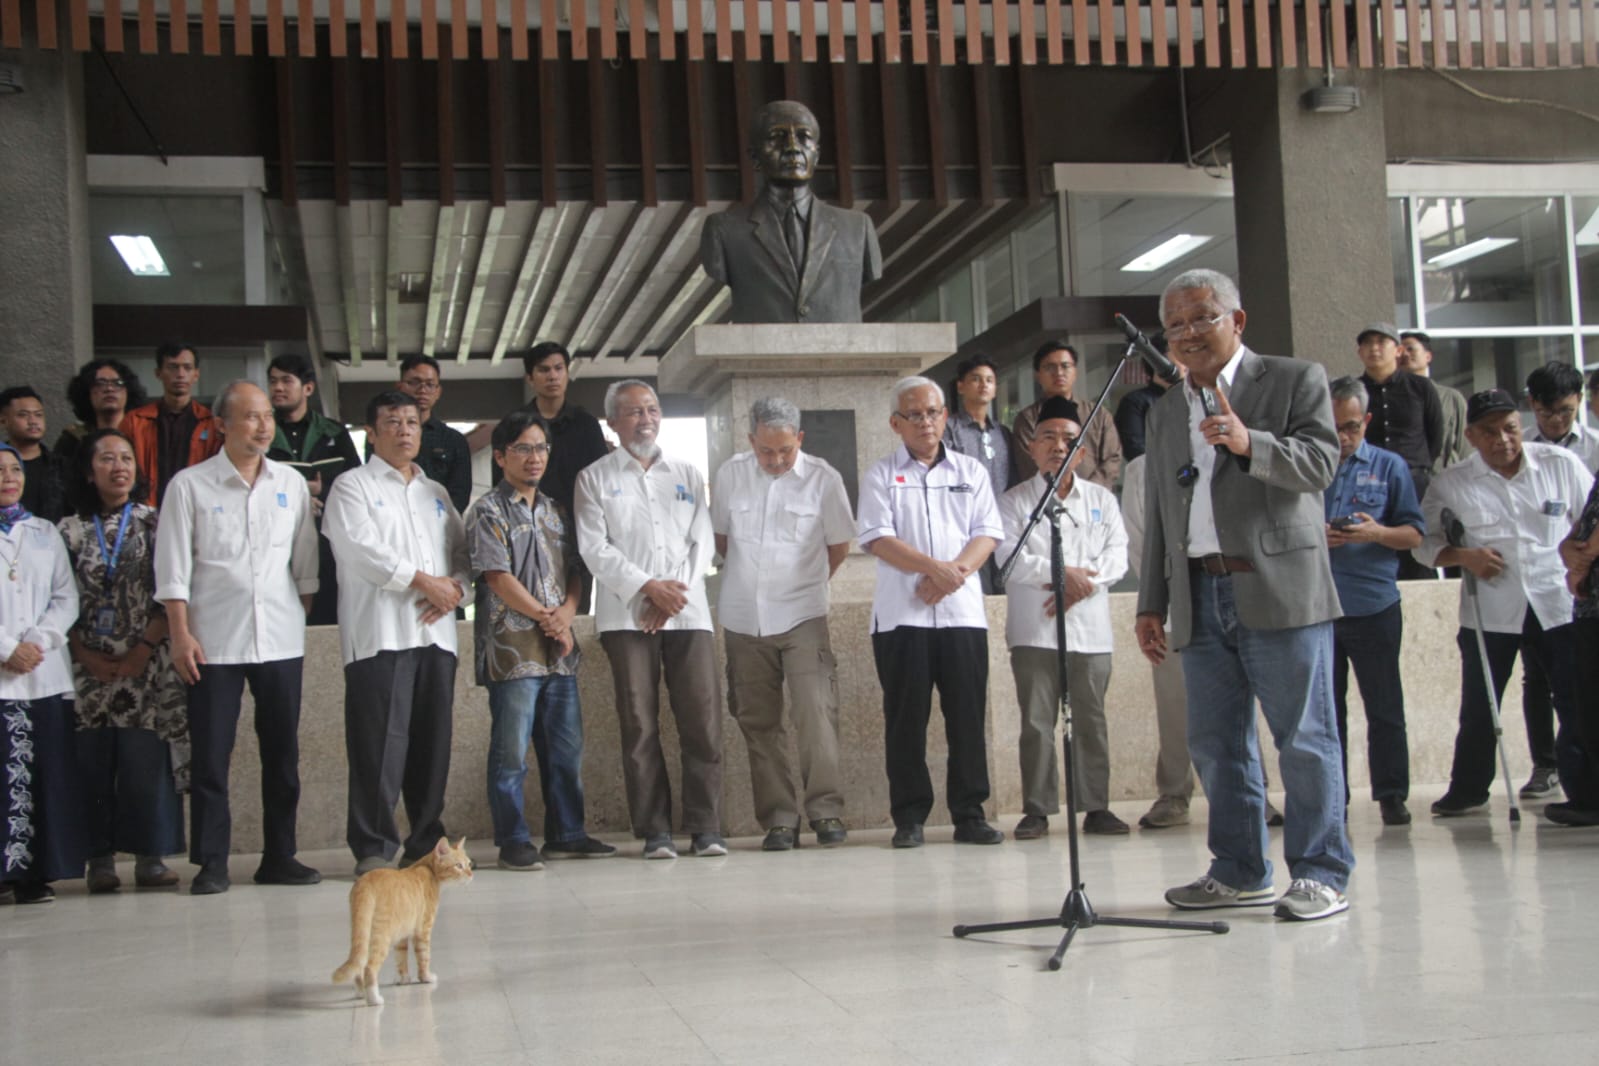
(1158, 364)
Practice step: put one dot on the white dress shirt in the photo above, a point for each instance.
(778, 530)
(1202, 538)
(1582, 441)
(384, 530)
(241, 556)
(1524, 518)
(1092, 537)
(635, 526)
(38, 607)
(937, 510)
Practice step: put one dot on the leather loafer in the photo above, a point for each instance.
(908, 836)
(779, 838)
(830, 832)
(153, 873)
(212, 880)
(1567, 814)
(977, 831)
(285, 871)
(1104, 823)
(1031, 827)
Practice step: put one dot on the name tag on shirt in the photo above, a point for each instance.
(960, 488)
(105, 621)
(283, 499)
(684, 495)
(1554, 508)
(1094, 515)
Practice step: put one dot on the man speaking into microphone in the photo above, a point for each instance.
(1238, 459)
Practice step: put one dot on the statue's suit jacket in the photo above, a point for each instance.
(744, 248)
(1268, 507)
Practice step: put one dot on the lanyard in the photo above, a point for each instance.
(115, 553)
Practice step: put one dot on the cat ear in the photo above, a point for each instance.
(460, 845)
(443, 847)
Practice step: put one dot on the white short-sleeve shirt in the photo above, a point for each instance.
(1092, 537)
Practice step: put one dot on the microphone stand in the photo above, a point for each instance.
(1076, 912)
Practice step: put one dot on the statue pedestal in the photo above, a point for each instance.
(837, 374)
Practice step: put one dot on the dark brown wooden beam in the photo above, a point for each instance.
(446, 103)
(935, 134)
(694, 105)
(741, 123)
(885, 91)
(338, 71)
(646, 129)
(983, 131)
(143, 326)
(549, 188)
(1032, 180)
(495, 117)
(391, 126)
(843, 155)
(599, 131)
(288, 185)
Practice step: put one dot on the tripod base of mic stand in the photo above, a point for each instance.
(1077, 913)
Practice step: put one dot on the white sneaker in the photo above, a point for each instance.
(659, 846)
(1307, 900)
(1206, 893)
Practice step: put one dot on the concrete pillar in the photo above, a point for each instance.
(1310, 195)
(46, 326)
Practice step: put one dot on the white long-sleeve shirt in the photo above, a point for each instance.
(384, 530)
(778, 531)
(241, 556)
(38, 607)
(1524, 518)
(635, 526)
(1092, 538)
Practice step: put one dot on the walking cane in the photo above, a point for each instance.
(1455, 533)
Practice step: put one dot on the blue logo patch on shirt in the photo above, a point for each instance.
(1554, 508)
(283, 499)
(683, 494)
(1093, 514)
(616, 492)
(217, 510)
(439, 505)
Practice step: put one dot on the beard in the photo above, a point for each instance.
(643, 451)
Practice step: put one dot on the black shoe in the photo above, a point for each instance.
(1031, 827)
(830, 832)
(1394, 811)
(520, 855)
(584, 847)
(908, 836)
(212, 880)
(33, 892)
(8, 895)
(977, 831)
(779, 838)
(1558, 813)
(285, 871)
(1104, 823)
(1453, 805)
(1274, 817)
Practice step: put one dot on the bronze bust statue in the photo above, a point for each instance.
(787, 256)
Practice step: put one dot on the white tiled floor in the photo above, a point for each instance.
(1466, 943)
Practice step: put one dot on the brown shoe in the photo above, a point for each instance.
(150, 872)
(1031, 827)
(102, 876)
(1167, 811)
(1104, 823)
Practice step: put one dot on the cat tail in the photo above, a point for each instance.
(362, 907)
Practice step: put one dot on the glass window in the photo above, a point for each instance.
(1496, 262)
(1038, 250)
(1399, 243)
(200, 240)
(999, 293)
(1111, 233)
(1585, 225)
(956, 297)
(1472, 364)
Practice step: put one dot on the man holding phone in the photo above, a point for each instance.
(1372, 515)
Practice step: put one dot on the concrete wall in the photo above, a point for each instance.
(1431, 671)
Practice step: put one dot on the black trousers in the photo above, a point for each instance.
(213, 724)
(911, 663)
(1538, 710)
(1370, 643)
(1585, 716)
(398, 707)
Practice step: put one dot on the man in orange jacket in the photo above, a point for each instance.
(175, 431)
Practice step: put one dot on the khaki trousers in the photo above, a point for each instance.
(757, 668)
(1173, 769)
(1038, 694)
(688, 658)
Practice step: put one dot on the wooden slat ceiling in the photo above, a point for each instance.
(1189, 33)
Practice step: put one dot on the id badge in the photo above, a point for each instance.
(105, 621)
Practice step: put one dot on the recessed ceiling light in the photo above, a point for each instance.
(1166, 252)
(1481, 246)
(140, 253)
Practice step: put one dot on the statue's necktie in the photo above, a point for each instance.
(794, 235)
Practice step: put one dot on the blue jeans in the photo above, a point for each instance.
(515, 705)
(1226, 667)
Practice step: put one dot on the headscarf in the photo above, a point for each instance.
(15, 513)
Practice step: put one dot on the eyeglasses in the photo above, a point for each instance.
(523, 451)
(421, 386)
(921, 418)
(110, 383)
(988, 445)
(1203, 327)
(1059, 369)
(1350, 428)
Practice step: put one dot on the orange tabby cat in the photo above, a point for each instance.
(396, 908)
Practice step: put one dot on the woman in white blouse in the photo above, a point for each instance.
(41, 823)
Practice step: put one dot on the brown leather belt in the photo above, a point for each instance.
(1219, 565)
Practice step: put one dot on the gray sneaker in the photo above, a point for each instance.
(370, 863)
(709, 844)
(1544, 783)
(1207, 893)
(1165, 813)
(659, 846)
(1307, 900)
(520, 855)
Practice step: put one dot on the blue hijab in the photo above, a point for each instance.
(15, 513)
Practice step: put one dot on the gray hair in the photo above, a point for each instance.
(1349, 387)
(904, 385)
(225, 397)
(1219, 284)
(615, 389)
(776, 412)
